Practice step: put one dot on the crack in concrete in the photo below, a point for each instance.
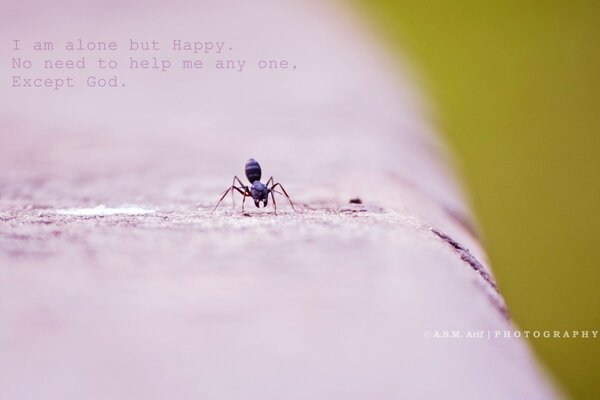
(467, 257)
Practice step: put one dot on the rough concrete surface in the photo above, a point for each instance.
(117, 281)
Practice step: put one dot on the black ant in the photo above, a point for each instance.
(257, 190)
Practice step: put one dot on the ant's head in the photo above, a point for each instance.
(260, 192)
(253, 171)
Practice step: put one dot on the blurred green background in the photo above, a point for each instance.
(517, 84)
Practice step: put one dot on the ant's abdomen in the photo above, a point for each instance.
(253, 171)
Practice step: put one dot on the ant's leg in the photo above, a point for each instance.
(285, 194)
(235, 178)
(232, 196)
(222, 197)
(274, 202)
(272, 195)
(278, 192)
(227, 191)
(246, 194)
